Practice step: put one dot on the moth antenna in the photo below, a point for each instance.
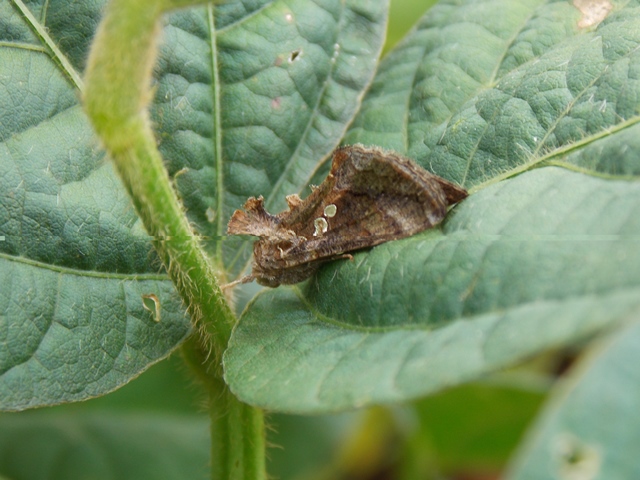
(245, 279)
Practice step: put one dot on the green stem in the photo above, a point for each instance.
(117, 96)
(237, 430)
(237, 437)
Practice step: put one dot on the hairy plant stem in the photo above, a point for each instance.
(237, 430)
(116, 98)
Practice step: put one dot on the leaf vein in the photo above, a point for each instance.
(84, 273)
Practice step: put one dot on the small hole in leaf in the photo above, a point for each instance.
(294, 55)
(211, 215)
(576, 459)
(151, 303)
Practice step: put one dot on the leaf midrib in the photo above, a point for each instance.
(217, 130)
(349, 327)
(554, 158)
(84, 273)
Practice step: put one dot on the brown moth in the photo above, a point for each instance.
(370, 196)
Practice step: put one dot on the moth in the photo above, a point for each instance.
(370, 196)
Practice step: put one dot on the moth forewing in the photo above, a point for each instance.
(370, 196)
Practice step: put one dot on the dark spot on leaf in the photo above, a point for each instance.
(576, 458)
(294, 55)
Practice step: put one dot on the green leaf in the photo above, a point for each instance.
(85, 305)
(456, 51)
(166, 387)
(527, 264)
(38, 445)
(402, 17)
(76, 267)
(491, 95)
(146, 429)
(589, 428)
(538, 260)
(471, 428)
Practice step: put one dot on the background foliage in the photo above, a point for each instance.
(536, 259)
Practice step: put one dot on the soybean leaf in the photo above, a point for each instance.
(535, 258)
(85, 303)
(589, 429)
(84, 306)
(106, 444)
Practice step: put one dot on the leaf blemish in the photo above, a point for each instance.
(593, 11)
(575, 458)
(211, 215)
(151, 303)
(295, 55)
(336, 52)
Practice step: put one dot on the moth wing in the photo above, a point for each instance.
(373, 171)
(361, 221)
(253, 220)
(453, 192)
(370, 197)
(375, 196)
